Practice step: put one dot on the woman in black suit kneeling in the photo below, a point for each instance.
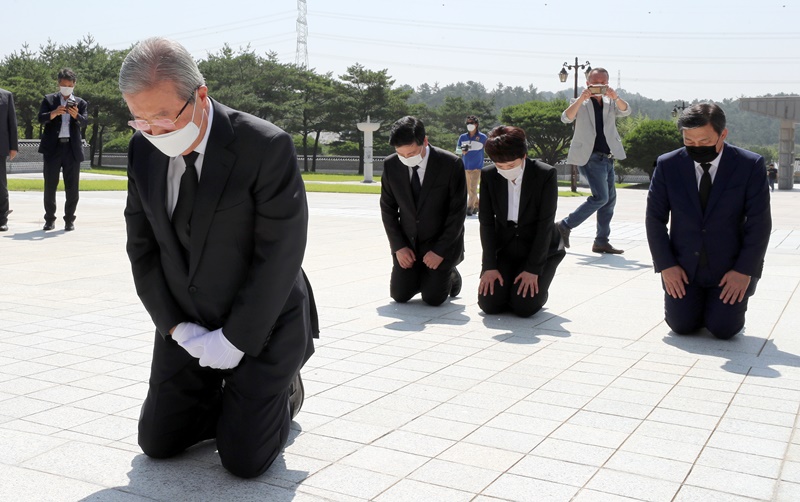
(521, 245)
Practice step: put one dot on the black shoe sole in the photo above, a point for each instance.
(297, 394)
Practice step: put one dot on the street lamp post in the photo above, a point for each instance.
(562, 75)
(677, 109)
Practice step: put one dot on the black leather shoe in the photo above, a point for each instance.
(606, 248)
(564, 231)
(3, 228)
(69, 227)
(455, 283)
(469, 212)
(297, 394)
(49, 226)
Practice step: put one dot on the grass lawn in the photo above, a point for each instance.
(315, 182)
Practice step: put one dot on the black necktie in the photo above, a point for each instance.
(416, 185)
(705, 185)
(182, 215)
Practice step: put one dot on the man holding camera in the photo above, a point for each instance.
(595, 145)
(63, 114)
(470, 146)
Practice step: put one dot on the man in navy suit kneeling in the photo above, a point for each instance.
(716, 198)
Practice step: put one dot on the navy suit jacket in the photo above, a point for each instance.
(535, 229)
(438, 223)
(49, 141)
(249, 228)
(735, 228)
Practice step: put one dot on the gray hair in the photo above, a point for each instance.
(156, 60)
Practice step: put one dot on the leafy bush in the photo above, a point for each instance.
(647, 141)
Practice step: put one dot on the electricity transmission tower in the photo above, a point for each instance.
(301, 55)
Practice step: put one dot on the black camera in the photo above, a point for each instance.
(71, 102)
(464, 147)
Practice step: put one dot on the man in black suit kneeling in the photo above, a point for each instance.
(423, 206)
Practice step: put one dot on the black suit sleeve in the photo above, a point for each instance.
(656, 218)
(547, 200)
(390, 209)
(457, 210)
(44, 111)
(281, 227)
(13, 140)
(145, 257)
(83, 113)
(486, 217)
(757, 223)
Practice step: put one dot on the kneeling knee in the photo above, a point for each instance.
(158, 449)
(682, 327)
(724, 332)
(434, 301)
(401, 298)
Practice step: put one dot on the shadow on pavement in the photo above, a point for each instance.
(416, 314)
(36, 235)
(746, 355)
(524, 331)
(614, 261)
(198, 475)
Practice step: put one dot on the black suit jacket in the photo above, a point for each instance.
(438, 223)
(249, 228)
(8, 123)
(49, 141)
(535, 229)
(734, 230)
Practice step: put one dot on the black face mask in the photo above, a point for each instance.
(702, 154)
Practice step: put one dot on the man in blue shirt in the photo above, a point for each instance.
(470, 145)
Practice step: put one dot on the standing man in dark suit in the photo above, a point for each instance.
(716, 200)
(423, 206)
(8, 148)
(521, 246)
(63, 115)
(217, 224)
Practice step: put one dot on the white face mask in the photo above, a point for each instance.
(511, 174)
(412, 161)
(175, 143)
(66, 91)
(471, 127)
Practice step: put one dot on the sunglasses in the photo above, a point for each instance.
(167, 124)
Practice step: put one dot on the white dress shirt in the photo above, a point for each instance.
(422, 166)
(64, 131)
(698, 169)
(177, 167)
(514, 190)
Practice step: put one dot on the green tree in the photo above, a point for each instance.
(316, 107)
(368, 93)
(246, 81)
(455, 109)
(769, 152)
(647, 141)
(629, 123)
(548, 137)
(98, 72)
(29, 79)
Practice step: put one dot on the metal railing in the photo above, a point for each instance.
(29, 160)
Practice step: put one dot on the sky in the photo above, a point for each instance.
(675, 50)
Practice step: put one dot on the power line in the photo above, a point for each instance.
(739, 60)
(560, 32)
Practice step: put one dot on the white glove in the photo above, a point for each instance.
(187, 335)
(218, 352)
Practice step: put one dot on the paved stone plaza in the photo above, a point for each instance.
(592, 399)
